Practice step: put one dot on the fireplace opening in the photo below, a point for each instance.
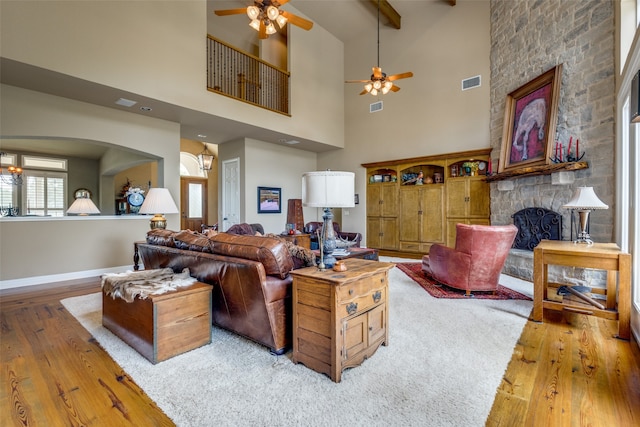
(534, 225)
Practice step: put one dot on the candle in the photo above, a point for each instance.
(577, 149)
(569, 150)
(489, 167)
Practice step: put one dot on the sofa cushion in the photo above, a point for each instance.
(161, 237)
(192, 241)
(272, 253)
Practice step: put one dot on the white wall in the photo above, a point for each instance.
(157, 49)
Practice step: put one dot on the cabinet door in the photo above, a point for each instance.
(479, 200)
(355, 336)
(374, 232)
(457, 197)
(374, 199)
(389, 233)
(432, 208)
(389, 206)
(377, 324)
(411, 212)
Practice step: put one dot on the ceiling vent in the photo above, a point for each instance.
(126, 102)
(375, 107)
(471, 82)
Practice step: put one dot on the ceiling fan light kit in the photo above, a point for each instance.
(379, 81)
(263, 13)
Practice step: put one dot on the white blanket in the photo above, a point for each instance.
(132, 284)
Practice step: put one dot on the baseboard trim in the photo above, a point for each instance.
(39, 280)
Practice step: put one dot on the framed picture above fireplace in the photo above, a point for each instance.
(530, 117)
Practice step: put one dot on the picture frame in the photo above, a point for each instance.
(530, 118)
(269, 200)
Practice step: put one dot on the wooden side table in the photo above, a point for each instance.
(300, 239)
(599, 256)
(340, 318)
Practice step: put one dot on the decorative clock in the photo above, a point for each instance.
(135, 199)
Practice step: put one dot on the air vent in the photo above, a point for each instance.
(375, 107)
(471, 82)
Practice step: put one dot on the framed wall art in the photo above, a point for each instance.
(269, 200)
(530, 117)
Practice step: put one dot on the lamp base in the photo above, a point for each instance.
(328, 240)
(583, 235)
(158, 221)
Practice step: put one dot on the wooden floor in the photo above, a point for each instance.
(564, 372)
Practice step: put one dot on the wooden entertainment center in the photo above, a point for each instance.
(414, 203)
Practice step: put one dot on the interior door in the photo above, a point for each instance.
(193, 203)
(230, 193)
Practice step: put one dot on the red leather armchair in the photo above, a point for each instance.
(477, 260)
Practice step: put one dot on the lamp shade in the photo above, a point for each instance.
(83, 206)
(585, 198)
(158, 200)
(328, 189)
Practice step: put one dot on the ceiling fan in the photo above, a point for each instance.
(263, 13)
(379, 81)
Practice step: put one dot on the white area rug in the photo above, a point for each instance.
(442, 367)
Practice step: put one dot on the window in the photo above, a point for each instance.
(44, 193)
(8, 192)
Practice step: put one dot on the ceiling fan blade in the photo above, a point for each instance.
(281, 2)
(400, 76)
(296, 20)
(364, 92)
(262, 34)
(377, 72)
(357, 81)
(226, 12)
(394, 88)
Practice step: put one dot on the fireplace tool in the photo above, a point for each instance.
(580, 292)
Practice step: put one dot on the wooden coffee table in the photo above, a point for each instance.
(362, 253)
(162, 326)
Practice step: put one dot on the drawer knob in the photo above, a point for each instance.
(377, 296)
(352, 307)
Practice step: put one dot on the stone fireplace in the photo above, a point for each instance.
(521, 50)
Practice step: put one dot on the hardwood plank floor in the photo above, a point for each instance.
(55, 374)
(568, 371)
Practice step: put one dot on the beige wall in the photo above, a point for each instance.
(26, 247)
(268, 165)
(441, 45)
(157, 49)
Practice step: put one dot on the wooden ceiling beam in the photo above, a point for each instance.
(389, 12)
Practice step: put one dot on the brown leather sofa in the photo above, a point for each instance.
(249, 274)
(477, 260)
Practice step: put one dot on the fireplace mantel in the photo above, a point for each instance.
(538, 170)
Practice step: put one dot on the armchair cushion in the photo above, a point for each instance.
(477, 260)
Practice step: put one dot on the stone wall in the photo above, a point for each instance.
(529, 37)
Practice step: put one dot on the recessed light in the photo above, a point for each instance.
(126, 102)
(292, 142)
(201, 135)
(146, 108)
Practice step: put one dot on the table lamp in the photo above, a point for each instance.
(326, 190)
(584, 200)
(158, 202)
(83, 206)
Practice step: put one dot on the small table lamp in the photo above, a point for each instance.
(83, 206)
(158, 202)
(328, 189)
(584, 200)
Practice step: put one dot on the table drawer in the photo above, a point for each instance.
(362, 302)
(351, 290)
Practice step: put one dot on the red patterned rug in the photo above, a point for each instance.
(437, 290)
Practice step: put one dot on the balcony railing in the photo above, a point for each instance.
(245, 77)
